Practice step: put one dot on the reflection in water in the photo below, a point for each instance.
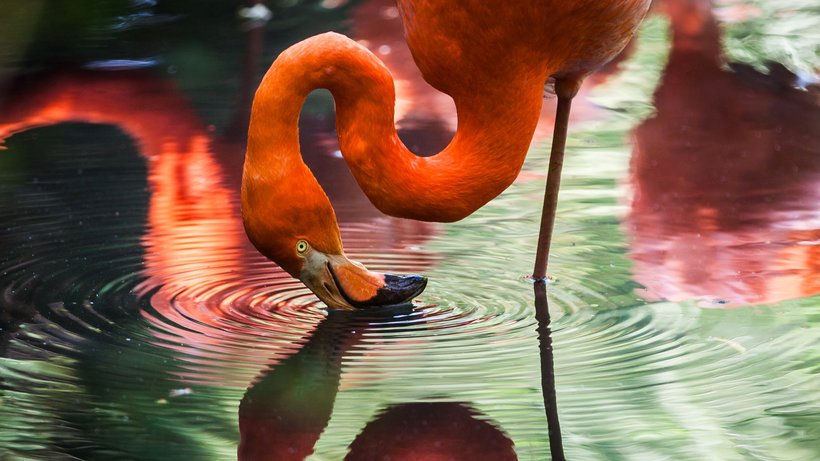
(434, 431)
(286, 409)
(542, 313)
(726, 177)
(188, 199)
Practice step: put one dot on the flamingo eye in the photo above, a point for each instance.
(302, 246)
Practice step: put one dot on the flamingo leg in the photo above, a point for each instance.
(566, 90)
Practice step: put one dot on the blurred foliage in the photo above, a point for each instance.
(18, 27)
(628, 93)
(784, 32)
(198, 43)
(59, 31)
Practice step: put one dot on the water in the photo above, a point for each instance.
(138, 323)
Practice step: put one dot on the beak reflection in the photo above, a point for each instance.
(344, 284)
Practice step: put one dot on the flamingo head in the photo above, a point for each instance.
(305, 242)
(345, 284)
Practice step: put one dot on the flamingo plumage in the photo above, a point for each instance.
(492, 58)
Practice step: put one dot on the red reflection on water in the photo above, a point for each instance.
(188, 199)
(726, 177)
(445, 431)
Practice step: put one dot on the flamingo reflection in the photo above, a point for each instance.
(285, 411)
(726, 177)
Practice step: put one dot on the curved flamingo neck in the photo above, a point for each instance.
(496, 123)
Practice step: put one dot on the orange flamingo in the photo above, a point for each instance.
(493, 59)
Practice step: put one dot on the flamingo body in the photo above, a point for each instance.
(491, 58)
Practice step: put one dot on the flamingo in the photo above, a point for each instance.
(492, 58)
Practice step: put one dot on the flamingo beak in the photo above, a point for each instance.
(344, 284)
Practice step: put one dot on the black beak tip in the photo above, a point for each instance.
(399, 289)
